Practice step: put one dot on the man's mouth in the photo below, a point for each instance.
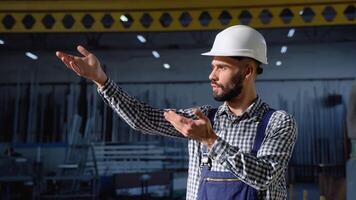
(213, 85)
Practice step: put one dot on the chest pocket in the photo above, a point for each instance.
(239, 134)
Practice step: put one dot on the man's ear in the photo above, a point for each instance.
(249, 70)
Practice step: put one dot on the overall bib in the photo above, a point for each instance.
(225, 185)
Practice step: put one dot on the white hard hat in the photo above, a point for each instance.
(239, 40)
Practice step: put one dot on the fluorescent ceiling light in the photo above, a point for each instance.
(291, 32)
(141, 38)
(124, 18)
(31, 55)
(155, 54)
(166, 66)
(284, 49)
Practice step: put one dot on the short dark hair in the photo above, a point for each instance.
(258, 63)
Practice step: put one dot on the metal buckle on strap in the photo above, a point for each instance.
(205, 161)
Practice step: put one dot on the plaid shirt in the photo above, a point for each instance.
(231, 151)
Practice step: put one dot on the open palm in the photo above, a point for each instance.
(87, 66)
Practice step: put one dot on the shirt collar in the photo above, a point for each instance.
(252, 111)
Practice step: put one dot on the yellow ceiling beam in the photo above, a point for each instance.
(165, 15)
(102, 5)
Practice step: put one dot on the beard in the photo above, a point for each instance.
(231, 90)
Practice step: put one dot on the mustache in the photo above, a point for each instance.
(217, 84)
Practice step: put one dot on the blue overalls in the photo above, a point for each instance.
(225, 185)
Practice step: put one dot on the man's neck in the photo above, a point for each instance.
(240, 104)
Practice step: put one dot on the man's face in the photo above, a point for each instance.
(226, 78)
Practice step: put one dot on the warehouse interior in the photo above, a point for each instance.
(59, 140)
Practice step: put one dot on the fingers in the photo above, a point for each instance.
(75, 68)
(175, 118)
(179, 122)
(200, 115)
(74, 63)
(70, 61)
(65, 58)
(82, 50)
(61, 55)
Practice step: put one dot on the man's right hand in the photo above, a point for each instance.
(87, 66)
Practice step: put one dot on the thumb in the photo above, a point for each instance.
(82, 50)
(201, 115)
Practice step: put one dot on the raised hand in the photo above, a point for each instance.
(87, 66)
(200, 129)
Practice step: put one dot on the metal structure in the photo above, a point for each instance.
(162, 15)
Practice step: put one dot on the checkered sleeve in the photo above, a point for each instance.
(141, 116)
(272, 158)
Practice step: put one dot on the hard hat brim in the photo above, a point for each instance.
(242, 54)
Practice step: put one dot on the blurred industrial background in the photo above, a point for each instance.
(59, 140)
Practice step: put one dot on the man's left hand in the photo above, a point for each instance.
(199, 129)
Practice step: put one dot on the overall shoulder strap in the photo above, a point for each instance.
(261, 129)
(211, 116)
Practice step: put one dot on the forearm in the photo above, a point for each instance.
(138, 115)
(257, 172)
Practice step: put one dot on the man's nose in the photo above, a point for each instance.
(212, 75)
